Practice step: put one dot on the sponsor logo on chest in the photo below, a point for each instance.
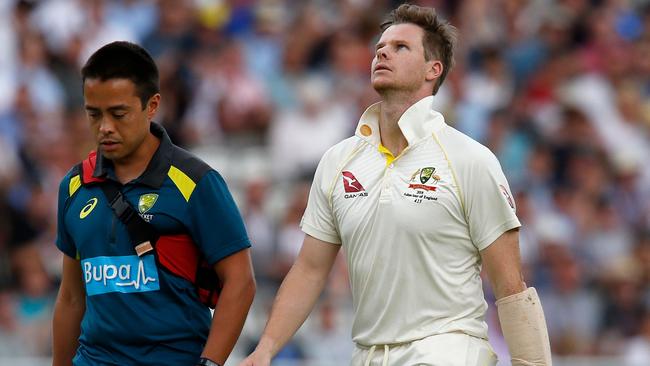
(352, 186)
(124, 274)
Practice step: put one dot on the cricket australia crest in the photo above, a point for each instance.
(146, 202)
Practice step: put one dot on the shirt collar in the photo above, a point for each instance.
(156, 171)
(419, 121)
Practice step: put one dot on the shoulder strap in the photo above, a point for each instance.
(142, 234)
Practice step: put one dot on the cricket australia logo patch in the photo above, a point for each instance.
(352, 186)
(422, 184)
(124, 274)
(145, 204)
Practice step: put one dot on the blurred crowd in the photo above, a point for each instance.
(559, 90)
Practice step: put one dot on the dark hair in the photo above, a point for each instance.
(439, 36)
(124, 60)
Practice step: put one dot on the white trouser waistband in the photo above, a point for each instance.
(384, 361)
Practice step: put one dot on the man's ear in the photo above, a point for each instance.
(434, 71)
(152, 106)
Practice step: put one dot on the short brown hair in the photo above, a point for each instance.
(439, 36)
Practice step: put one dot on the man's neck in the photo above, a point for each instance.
(391, 110)
(134, 165)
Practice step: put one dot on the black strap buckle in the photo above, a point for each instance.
(123, 210)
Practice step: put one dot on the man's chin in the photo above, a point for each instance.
(111, 155)
(381, 86)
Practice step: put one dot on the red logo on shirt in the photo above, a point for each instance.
(350, 183)
(506, 194)
(422, 186)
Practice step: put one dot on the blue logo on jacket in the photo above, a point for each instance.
(125, 274)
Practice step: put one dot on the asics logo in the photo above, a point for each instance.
(88, 208)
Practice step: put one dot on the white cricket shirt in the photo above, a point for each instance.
(411, 226)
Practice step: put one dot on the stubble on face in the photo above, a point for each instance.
(399, 63)
(117, 119)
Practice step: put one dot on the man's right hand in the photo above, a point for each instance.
(257, 358)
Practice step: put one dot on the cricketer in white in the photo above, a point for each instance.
(418, 208)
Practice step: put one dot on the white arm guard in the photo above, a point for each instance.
(524, 328)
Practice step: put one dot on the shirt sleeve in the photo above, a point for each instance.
(318, 220)
(63, 239)
(215, 222)
(490, 207)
